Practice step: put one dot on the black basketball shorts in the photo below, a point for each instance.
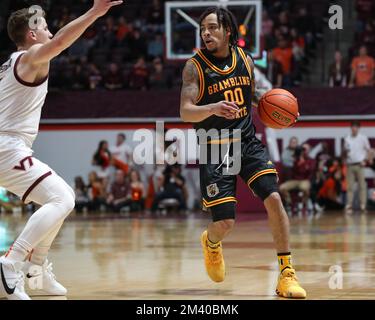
(218, 188)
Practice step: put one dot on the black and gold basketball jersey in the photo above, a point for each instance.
(227, 79)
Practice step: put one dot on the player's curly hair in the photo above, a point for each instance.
(226, 19)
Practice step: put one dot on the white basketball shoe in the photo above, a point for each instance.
(42, 279)
(12, 284)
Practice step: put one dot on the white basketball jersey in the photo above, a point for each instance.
(20, 102)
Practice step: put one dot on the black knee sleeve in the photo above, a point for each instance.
(264, 186)
(223, 211)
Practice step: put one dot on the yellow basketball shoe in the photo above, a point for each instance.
(288, 286)
(213, 259)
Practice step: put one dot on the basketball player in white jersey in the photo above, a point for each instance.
(23, 88)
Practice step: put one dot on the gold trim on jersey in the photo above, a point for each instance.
(209, 204)
(247, 64)
(216, 69)
(201, 79)
(260, 173)
(223, 141)
(248, 67)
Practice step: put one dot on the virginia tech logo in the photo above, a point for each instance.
(22, 166)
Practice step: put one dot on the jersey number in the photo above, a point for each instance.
(235, 95)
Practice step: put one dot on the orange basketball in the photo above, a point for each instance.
(278, 109)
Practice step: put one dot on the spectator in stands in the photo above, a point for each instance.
(283, 24)
(298, 49)
(137, 190)
(80, 190)
(337, 72)
(137, 44)
(267, 24)
(156, 13)
(339, 164)
(284, 54)
(329, 193)
(362, 73)
(305, 24)
(122, 30)
(113, 80)
(324, 154)
(365, 9)
(155, 47)
(367, 37)
(287, 158)
(272, 41)
(274, 71)
(90, 36)
(298, 44)
(122, 150)
(107, 36)
(96, 192)
(371, 191)
(119, 196)
(102, 159)
(139, 76)
(94, 76)
(173, 187)
(302, 173)
(358, 150)
(317, 181)
(159, 77)
(121, 153)
(62, 20)
(371, 197)
(79, 78)
(79, 48)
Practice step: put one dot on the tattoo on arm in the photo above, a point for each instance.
(190, 83)
(256, 92)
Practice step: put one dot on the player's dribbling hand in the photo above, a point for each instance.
(225, 109)
(101, 7)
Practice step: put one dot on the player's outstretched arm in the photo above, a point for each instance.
(65, 37)
(189, 111)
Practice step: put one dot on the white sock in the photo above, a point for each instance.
(39, 254)
(57, 200)
(18, 250)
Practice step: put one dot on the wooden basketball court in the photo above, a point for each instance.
(109, 257)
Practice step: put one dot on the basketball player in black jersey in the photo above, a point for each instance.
(217, 93)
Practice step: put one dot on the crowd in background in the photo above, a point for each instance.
(325, 182)
(126, 49)
(358, 69)
(290, 34)
(116, 184)
(308, 184)
(359, 73)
